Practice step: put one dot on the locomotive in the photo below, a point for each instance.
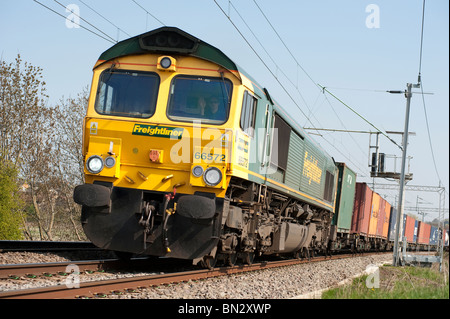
(187, 156)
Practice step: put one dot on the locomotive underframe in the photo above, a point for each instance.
(265, 221)
(150, 223)
(251, 220)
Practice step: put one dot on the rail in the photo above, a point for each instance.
(99, 288)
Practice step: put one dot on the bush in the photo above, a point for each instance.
(10, 203)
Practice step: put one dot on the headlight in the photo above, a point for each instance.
(94, 164)
(197, 171)
(212, 176)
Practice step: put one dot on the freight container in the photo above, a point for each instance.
(362, 209)
(424, 233)
(392, 225)
(381, 216)
(387, 216)
(438, 234)
(419, 229)
(446, 238)
(374, 214)
(404, 225)
(416, 230)
(345, 199)
(411, 229)
(434, 235)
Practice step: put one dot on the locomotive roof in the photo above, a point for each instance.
(168, 39)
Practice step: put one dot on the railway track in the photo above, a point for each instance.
(56, 268)
(45, 246)
(95, 289)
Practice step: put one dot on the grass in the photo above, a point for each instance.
(397, 283)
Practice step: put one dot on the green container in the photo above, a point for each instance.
(345, 198)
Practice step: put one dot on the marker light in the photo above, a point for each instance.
(94, 164)
(197, 171)
(110, 161)
(166, 63)
(212, 176)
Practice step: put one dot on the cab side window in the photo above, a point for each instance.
(248, 114)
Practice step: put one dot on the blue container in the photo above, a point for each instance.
(416, 230)
(434, 235)
(392, 221)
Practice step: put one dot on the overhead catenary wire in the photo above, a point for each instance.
(342, 123)
(308, 75)
(104, 17)
(262, 60)
(140, 6)
(273, 61)
(357, 89)
(429, 135)
(276, 78)
(278, 68)
(421, 41)
(359, 115)
(423, 97)
(83, 27)
(86, 21)
(323, 89)
(279, 37)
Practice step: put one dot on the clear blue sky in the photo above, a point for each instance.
(329, 39)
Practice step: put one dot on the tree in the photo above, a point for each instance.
(22, 102)
(25, 135)
(43, 144)
(70, 114)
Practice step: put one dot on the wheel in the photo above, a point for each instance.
(305, 254)
(209, 262)
(231, 259)
(249, 257)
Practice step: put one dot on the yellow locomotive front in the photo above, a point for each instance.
(157, 145)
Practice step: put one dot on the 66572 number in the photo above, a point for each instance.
(210, 157)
